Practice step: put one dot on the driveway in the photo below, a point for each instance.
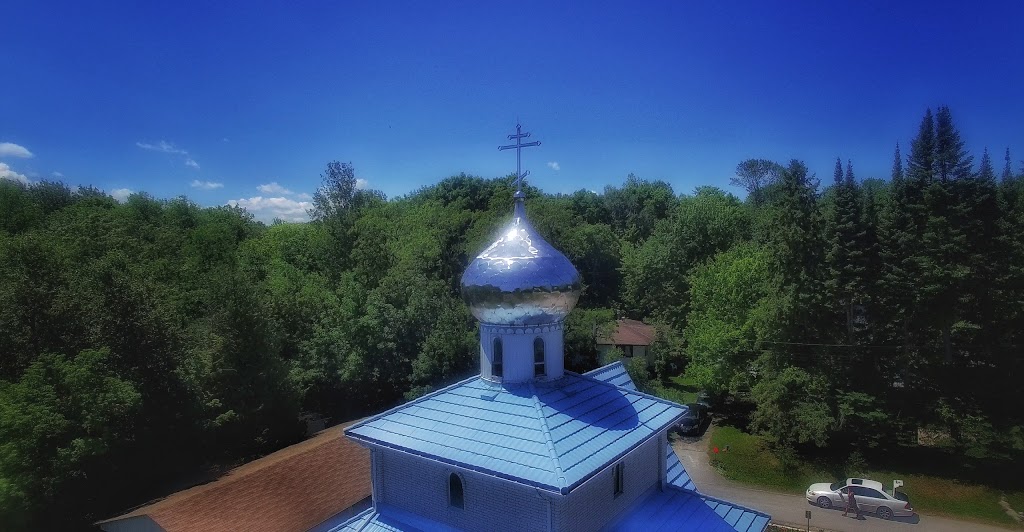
(788, 509)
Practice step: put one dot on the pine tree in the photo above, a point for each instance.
(845, 256)
(900, 228)
(1007, 168)
(952, 161)
(794, 234)
(921, 163)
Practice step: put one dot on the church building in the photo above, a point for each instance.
(527, 445)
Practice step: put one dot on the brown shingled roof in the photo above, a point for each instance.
(630, 332)
(293, 489)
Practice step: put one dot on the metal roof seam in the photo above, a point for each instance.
(414, 401)
(477, 469)
(547, 439)
(450, 447)
(503, 434)
(647, 395)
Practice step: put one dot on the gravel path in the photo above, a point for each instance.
(789, 509)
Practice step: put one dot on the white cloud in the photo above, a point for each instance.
(58, 175)
(121, 194)
(361, 183)
(267, 209)
(10, 149)
(7, 173)
(274, 188)
(162, 146)
(554, 166)
(206, 185)
(166, 147)
(304, 196)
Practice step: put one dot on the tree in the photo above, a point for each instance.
(1007, 168)
(583, 327)
(61, 424)
(735, 307)
(793, 233)
(754, 176)
(845, 256)
(793, 407)
(337, 192)
(636, 208)
(655, 272)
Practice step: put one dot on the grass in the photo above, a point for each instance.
(678, 389)
(749, 461)
(1016, 500)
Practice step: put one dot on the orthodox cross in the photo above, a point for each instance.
(519, 145)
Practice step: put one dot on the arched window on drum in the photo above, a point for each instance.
(538, 357)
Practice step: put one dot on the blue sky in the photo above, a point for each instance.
(242, 100)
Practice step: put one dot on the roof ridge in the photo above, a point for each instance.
(627, 390)
(603, 368)
(547, 438)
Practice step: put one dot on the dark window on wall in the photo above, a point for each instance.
(496, 358)
(619, 467)
(538, 357)
(456, 496)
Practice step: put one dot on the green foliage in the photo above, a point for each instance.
(734, 308)
(583, 327)
(843, 317)
(60, 424)
(792, 407)
(656, 272)
(754, 176)
(636, 367)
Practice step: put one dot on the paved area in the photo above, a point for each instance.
(789, 509)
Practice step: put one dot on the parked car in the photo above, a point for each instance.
(694, 419)
(870, 496)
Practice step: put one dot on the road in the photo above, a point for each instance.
(788, 509)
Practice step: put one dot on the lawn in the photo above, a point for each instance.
(678, 389)
(747, 460)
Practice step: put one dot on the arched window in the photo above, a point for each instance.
(496, 357)
(538, 356)
(455, 494)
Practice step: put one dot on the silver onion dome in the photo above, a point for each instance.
(520, 279)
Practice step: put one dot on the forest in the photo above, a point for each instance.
(144, 340)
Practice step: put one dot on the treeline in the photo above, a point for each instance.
(855, 317)
(141, 341)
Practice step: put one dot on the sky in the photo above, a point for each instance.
(246, 103)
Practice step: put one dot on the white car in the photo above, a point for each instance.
(870, 496)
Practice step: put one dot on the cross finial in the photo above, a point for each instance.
(519, 145)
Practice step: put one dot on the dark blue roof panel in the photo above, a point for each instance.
(680, 509)
(552, 435)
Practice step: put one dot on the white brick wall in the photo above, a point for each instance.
(594, 504)
(420, 486)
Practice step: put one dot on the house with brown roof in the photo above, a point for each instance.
(632, 337)
(308, 486)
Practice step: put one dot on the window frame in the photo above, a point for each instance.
(497, 359)
(539, 366)
(456, 500)
(618, 473)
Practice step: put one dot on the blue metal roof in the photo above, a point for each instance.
(552, 435)
(388, 518)
(614, 373)
(679, 509)
(675, 473)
